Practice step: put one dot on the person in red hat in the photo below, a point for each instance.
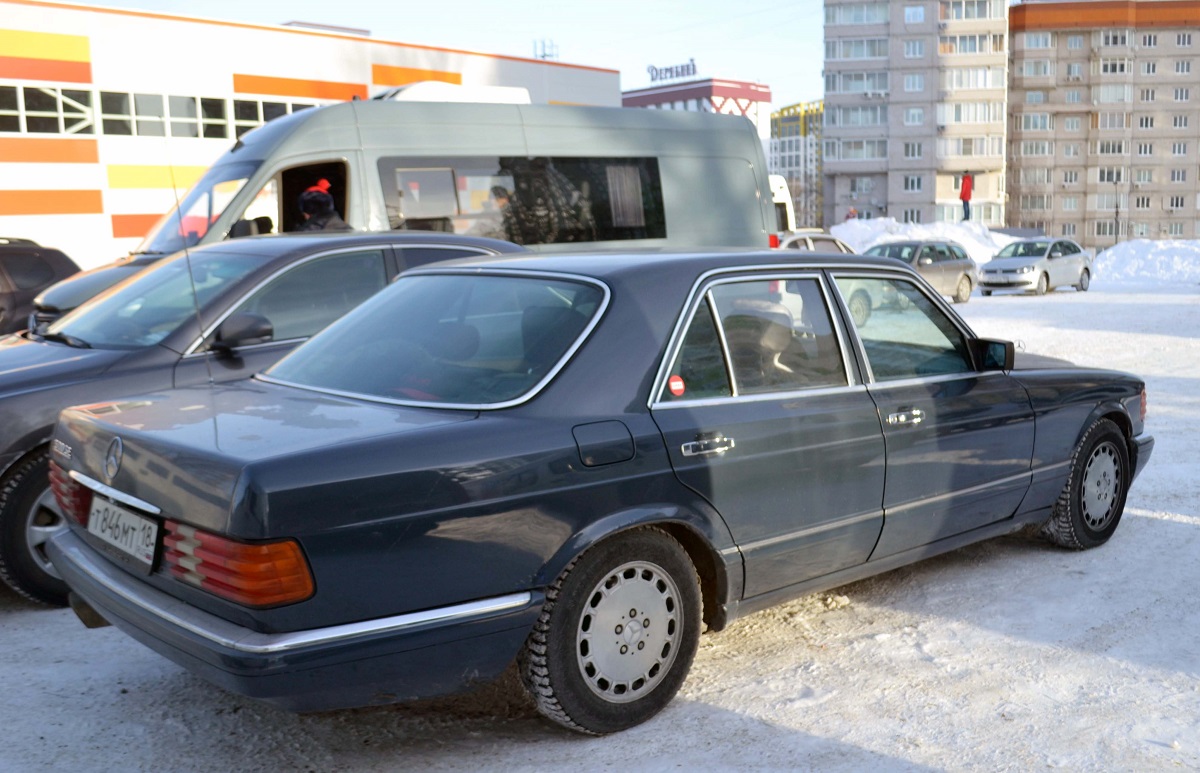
(316, 207)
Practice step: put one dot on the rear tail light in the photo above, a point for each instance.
(773, 240)
(74, 498)
(1143, 411)
(254, 574)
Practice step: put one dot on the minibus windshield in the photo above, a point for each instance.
(187, 224)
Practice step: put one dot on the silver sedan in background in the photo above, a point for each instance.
(1037, 265)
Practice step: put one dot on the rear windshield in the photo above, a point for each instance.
(448, 339)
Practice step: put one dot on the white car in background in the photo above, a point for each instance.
(1037, 265)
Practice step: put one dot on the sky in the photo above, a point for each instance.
(779, 44)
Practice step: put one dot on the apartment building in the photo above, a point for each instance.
(1105, 127)
(795, 153)
(915, 96)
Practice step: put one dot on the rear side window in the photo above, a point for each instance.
(450, 339)
(28, 271)
(527, 200)
(778, 336)
(411, 257)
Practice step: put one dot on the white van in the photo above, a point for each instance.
(546, 176)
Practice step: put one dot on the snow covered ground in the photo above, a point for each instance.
(1008, 655)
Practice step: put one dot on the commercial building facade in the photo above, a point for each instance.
(107, 115)
(709, 95)
(1105, 103)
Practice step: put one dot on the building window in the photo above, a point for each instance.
(1179, 121)
(1074, 70)
(1032, 122)
(1037, 40)
(1149, 40)
(912, 183)
(1111, 148)
(1149, 68)
(1114, 38)
(1145, 149)
(1071, 124)
(1071, 149)
(914, 14)
(1073, 97)
(914, 82)
(1110, 174)
(1183, 39)
(1114, 66)
(1145, 122)
(1141, 202)
(1068, 229)
(1143, 176)
(1037, 148)
(1035, 97)
(1178, 175)
(1178, 148)
(1175, 202)
(856, 13)
(914, 49)
(1034, 201)
(1110, 120)
(1037, 68)
(1071, 177)
(914, 116)
(1183, 67)
(1147, 95)
(1183, 95)
(1175, 229)
(1074, 42)
(1070, 203)
(912, 215)
(913, 150)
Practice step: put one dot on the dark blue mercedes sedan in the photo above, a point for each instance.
(575, 462)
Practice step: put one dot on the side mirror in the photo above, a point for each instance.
(1055, 254)
(924, 261)
(993, 354)
(242, 329)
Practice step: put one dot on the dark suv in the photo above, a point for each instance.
(27, 268)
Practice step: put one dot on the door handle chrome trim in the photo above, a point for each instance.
(909, 416)
(707, 446)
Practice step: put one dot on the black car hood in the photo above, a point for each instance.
(27, 365)
(1030, 361)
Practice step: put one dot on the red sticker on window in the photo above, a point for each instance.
(675, 384)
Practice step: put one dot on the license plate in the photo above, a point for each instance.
(132, 534)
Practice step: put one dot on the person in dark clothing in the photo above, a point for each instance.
(316, 206)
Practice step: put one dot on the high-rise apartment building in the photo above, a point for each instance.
(795, 153)
(914, 98)
(1105, 132)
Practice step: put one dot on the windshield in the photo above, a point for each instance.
(153, 304)
(462, 340)
(902, 251)
(1024, 250)
(187, 224)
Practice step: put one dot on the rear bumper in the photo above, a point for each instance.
(416, 655)
(1143, 446)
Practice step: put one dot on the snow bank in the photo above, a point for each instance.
(1168, 260)
(1173, 260)
(980, 243)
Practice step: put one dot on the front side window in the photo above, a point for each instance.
(527, 200)
(778, 336)
(306, 298)
(910, 337)
(448, 339)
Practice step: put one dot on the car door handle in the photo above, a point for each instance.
(909, 416)
(707, 446)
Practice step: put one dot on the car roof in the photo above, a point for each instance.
(287, 244)
(604, 265)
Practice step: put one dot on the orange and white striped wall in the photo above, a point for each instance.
(107, 115)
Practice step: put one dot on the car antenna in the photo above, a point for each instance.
(187, 257)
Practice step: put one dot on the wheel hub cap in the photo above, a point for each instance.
(629, 632)
(41, 522)
(1101, 487)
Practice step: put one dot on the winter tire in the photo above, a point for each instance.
(616, 635)
(28, 516)
(1089, 508)
(1043, 284)
(962, 293)
(1085, 281)
(860, 308)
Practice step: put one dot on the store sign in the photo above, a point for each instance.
(669, 73)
